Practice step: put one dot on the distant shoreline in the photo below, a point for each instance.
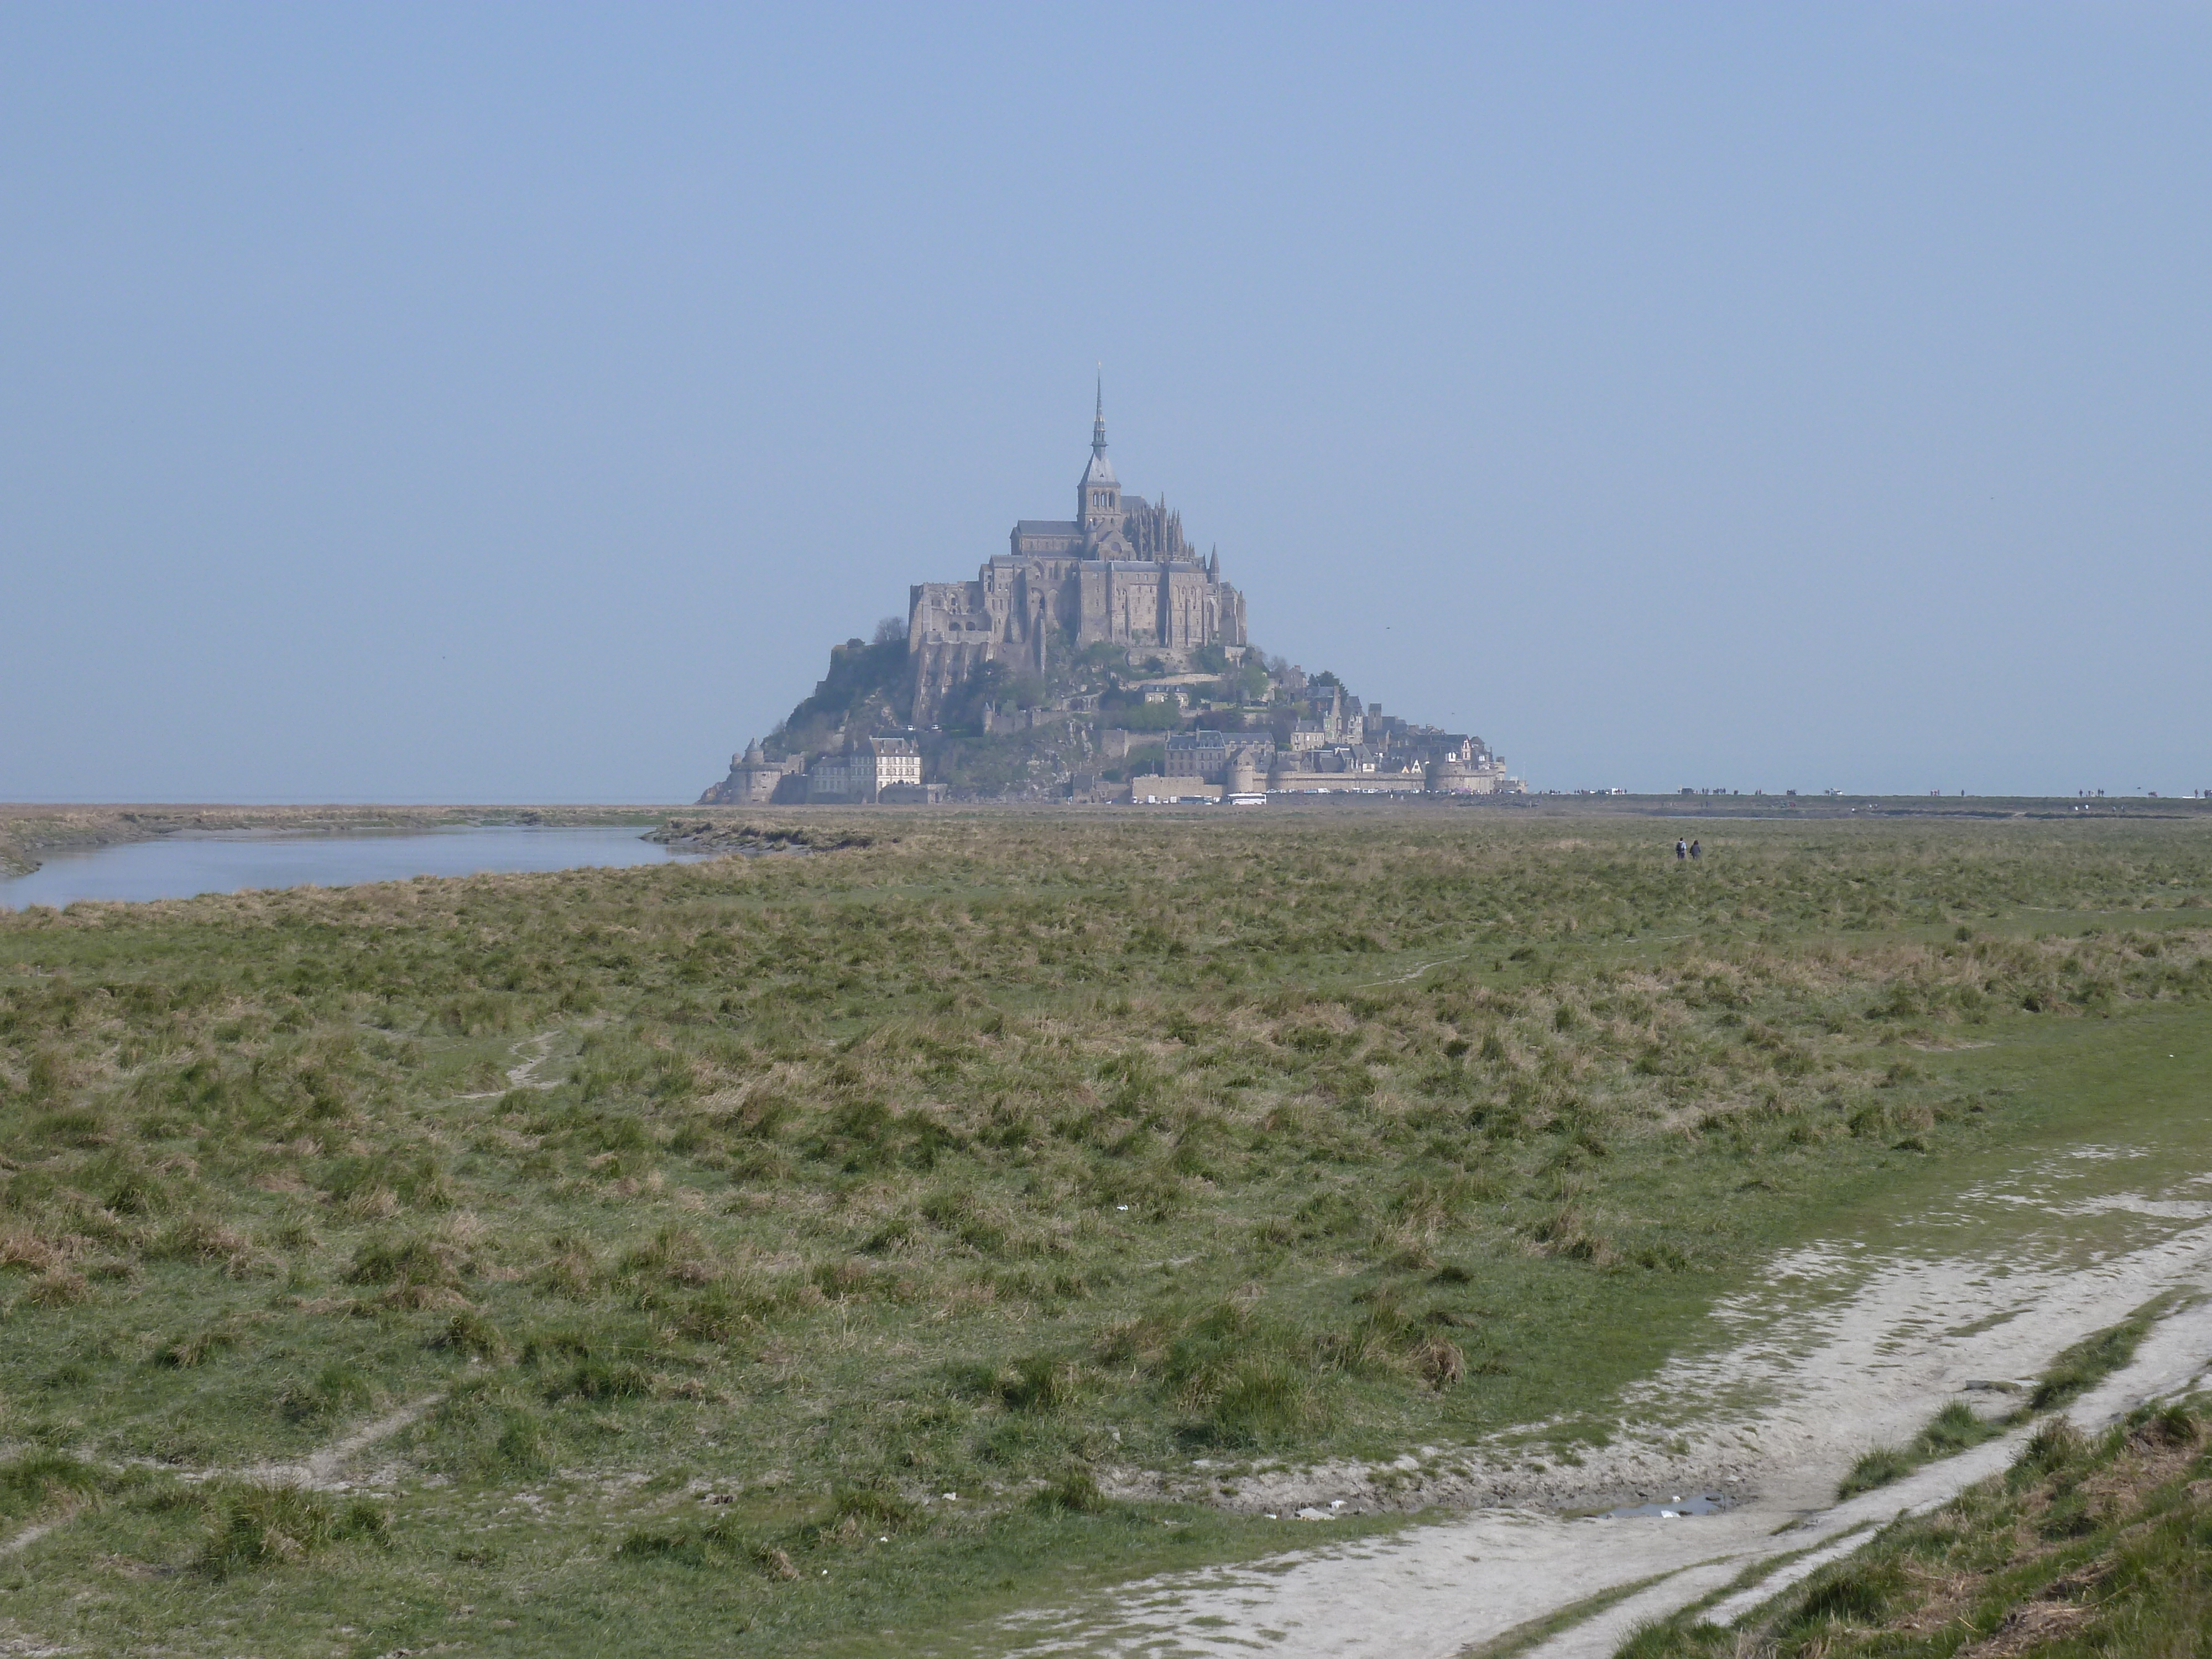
(29, 830)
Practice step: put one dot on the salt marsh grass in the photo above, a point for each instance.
(1068, 1165)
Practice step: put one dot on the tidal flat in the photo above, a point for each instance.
(836, 1254)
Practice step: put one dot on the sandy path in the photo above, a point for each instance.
(320, 1470)
(1837, 1353)
(1402, 979)
(2172, 1360)
(523, 1076)
(28, 1536)
(322, 1467)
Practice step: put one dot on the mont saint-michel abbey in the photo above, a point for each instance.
(1098, 659)
(1118, 572)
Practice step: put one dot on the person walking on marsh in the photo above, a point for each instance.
(1693, 849)
(1682, 849)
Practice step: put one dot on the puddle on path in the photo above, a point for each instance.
(1696, 1502)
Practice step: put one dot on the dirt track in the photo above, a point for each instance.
(1846, 1347)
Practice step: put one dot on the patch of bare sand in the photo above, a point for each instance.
(523, 1076)
(323, 1467)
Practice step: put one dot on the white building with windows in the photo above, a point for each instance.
(864, 771)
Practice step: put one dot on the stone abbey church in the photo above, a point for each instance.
(1119, 572)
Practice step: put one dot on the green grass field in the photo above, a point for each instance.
(1076, 1165)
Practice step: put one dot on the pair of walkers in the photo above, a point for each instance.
(1686, 849)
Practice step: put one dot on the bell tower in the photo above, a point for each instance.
(1098, 496)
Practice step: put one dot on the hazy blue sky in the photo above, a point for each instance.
(500, 403)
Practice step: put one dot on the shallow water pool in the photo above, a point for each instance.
(183, 866)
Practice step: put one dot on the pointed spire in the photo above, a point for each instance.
(1098, 419)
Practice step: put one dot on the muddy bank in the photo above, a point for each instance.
(692, 835)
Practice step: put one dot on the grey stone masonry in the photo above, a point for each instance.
(1120, 571)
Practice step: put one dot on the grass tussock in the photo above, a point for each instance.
(2090, 1361)
(43, 1480)
(275, 1525)
(1951, 1431)
(1075, 1492)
